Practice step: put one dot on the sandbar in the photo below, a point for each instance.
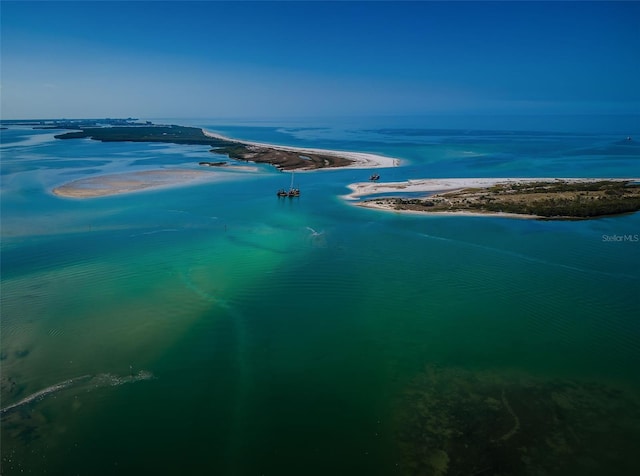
(115, 184)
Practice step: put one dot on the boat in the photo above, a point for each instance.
(293, 192)
(374, 177)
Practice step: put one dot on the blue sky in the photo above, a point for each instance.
(277, 59)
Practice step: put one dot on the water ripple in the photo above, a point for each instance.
(531, 258)
(87, 382)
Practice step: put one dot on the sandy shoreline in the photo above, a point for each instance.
(385, 206)
(361, 159)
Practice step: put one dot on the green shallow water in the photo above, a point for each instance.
(300, 336)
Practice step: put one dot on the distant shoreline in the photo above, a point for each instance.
(281, 157)
(285, 158)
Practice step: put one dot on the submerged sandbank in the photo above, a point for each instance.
(359, 160)
(115, 184)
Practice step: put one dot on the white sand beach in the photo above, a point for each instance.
(361, 160)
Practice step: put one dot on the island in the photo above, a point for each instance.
(282, 157)
(72, 123)
(538, 198)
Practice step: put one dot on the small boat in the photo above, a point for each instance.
(374, 177)
(293, 192)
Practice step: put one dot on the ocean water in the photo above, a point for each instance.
(214, 328)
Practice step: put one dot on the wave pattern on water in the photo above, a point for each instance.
(87, 382)
(532, 259)
(153, 232)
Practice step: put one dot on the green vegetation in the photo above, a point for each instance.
(554, 199)
(236, 152)
(576, 207)
(172, 134)
(283, 159)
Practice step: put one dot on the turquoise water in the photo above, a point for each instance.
(217, 329)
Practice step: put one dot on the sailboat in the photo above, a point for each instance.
(293, 192)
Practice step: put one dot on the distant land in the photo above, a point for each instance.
(130, 130)
(71, 123)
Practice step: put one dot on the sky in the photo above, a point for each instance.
(282, 59)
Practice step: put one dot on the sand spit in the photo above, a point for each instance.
(115, 184)
(361, 160)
